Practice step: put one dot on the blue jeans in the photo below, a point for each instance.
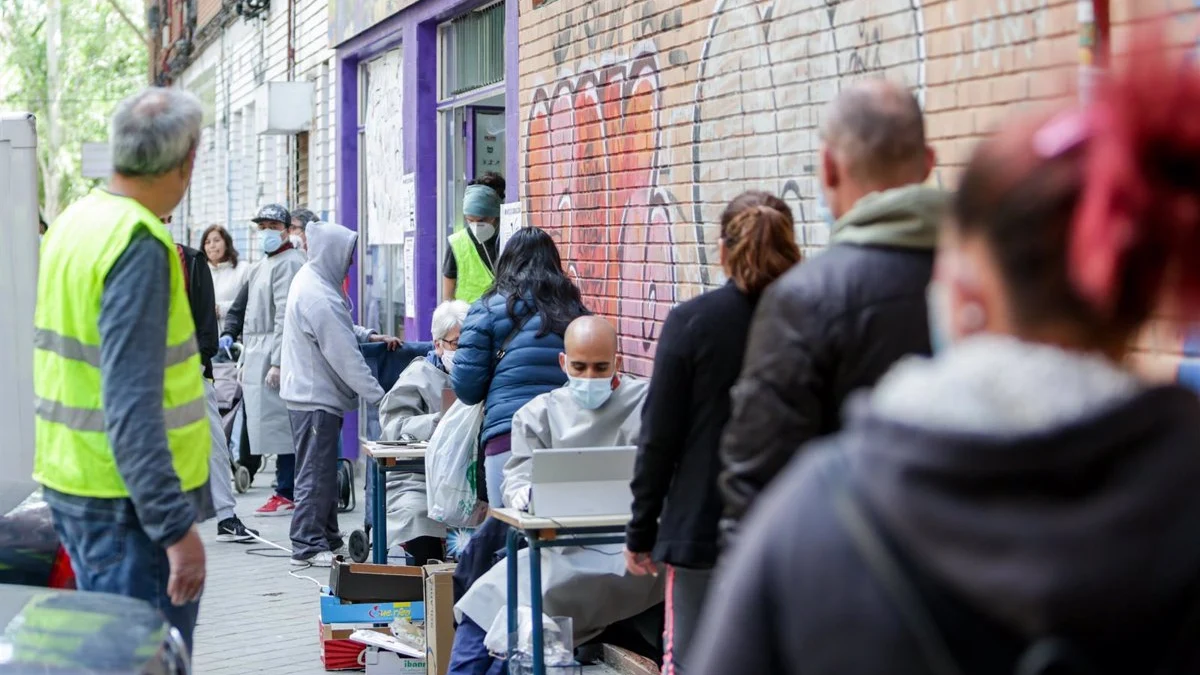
(493, 471)
(114, 555)
(469, 656)
(285, 476)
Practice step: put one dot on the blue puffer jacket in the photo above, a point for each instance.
(529, 369)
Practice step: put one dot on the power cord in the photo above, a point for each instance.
(270, 553)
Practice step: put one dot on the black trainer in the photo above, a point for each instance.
(232, 530)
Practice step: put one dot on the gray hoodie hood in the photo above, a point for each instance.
(331, 250)
(1046, 487)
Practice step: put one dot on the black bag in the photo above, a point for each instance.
(938, 620)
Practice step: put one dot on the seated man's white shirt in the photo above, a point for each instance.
(590, 584)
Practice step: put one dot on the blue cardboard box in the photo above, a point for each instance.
(334, 610)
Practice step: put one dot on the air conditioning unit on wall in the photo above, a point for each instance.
(283, 108)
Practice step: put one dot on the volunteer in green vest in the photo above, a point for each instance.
(122, 428)
(470, 260)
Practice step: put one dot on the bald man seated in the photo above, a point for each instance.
(598, 407)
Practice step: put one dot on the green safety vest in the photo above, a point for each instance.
(73, 451)
(474, 277)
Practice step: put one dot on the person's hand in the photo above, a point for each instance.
(186, 559)
(640, 564)
(272, 380)
(520, 500)
(393, 343)
(226, 345)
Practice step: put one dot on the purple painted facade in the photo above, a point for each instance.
(415, 30)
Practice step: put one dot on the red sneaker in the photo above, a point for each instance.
(276, 506)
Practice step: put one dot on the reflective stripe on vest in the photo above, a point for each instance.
(474, 277)
(73, 451)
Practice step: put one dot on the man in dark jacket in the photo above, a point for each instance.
(204, 314)
(837, 322)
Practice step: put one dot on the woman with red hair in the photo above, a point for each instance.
(1021, 502)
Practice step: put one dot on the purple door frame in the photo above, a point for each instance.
(414, 30)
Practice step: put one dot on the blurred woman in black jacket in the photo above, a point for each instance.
(698, 360)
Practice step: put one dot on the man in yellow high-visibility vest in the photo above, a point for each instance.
(122, 429)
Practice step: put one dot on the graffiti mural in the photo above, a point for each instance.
(766, 71)
(592, 176)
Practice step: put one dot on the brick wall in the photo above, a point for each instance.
(1166, 351)
(205, 11)
(642, 118)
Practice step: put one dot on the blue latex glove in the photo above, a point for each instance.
(226, 344)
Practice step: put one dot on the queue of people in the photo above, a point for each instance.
(921, 451)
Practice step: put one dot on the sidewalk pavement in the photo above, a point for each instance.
(254, 616)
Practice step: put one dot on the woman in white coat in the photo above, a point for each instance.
(261, 328)
(228, 273)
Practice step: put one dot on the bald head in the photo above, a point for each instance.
(877, 132)
(591, 348)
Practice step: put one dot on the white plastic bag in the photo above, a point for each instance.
(450, 467)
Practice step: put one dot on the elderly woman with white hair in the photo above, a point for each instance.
(411, 411)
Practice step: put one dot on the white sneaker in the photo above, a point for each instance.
(322, 559)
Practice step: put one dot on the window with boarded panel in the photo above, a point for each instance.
(474, 50)
(300, 188)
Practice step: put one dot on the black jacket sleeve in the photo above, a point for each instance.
(665, 421)
(237, 313)
(778, 400)
(204, 309)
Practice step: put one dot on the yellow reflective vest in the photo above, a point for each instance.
(474, 277)
(73, 452)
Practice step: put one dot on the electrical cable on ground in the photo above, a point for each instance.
(273, 546)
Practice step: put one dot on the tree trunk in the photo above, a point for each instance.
(54, 92)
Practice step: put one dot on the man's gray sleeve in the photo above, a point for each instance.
(134, 310)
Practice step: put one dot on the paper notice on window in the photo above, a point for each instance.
(410, 276)
(510, 222)
(408, 192)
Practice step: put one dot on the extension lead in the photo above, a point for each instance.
(291, 573)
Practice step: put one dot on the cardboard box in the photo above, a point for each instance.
(439, 617)
(334, 610)
(361, 582)
(338, 651)
(383, 662)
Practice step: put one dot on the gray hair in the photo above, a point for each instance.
(448, 315)
(154, 131)
(879, 128)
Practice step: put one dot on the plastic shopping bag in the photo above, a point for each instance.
(450, 467)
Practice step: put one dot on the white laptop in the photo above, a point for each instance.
(571, 482)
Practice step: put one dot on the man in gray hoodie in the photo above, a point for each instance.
(323, 376)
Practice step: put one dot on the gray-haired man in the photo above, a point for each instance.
(123, 436)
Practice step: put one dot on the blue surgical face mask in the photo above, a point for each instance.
(824, 213)
(271, 240)
(590, 393)
(937, 299)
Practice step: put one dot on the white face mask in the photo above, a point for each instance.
(296, 241)
(590, 393)
(482, 231)
(448, 359)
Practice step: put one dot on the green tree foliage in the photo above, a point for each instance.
(69, 62)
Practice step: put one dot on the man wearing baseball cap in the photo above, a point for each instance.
(261, 328)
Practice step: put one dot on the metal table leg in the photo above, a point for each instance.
(379, 514)
(510, 558)
(535, 603)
